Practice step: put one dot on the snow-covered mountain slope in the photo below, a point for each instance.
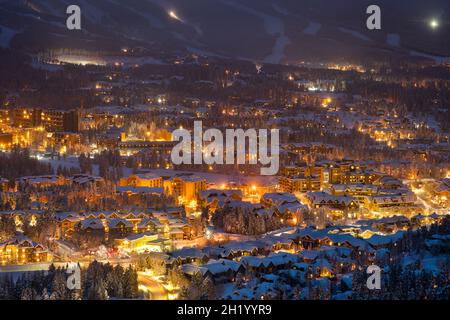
(265, 30)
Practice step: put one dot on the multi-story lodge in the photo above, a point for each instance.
(22, 250)
(4, 184)
(186, 188)
(300, 183)
(393, 202)
(323, 199)
(40, 181)
(51, 120)
(142, 180)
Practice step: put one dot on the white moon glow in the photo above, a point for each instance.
(434, 24)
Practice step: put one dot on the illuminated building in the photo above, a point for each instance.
(301, 178)
(90, 226)
(323, 199)
(211, 197)
(308, 148)
(41, 181)
(67, 226)
(66, 141)
(150, 225)
(22, 250)
(6, 141)
(51, 120)
(360, 176)
(186, 188)
(119, 226)
(25, 118)
(143, 242)
(4, 184)
(142, 180)
(385, 202)
(128, 148)
(60, 121)
(5, 117)
(358, 191)
(300, 183)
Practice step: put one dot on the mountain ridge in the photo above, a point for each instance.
(271, 31)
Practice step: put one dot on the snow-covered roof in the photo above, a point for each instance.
(67, 215)
(141, 190)
(116, 222)
(94, 224)
(189, 253)
(24, 242)
(292, 207)
(326, 198)
(138, 236)
(150, 221)
(278, 198)
(379, 240)
(50, 179)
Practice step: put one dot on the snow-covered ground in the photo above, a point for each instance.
(68, 162)
(218, 179)
(313, 28)
(6, 36)
(393, 39)
(44, 66)
(214, 178)
(274, 26)
(437, 59)
(355, 34)
(429, 262)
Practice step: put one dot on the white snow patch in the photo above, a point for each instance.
(6, 36)
(218, 178)
(437, 59)
(46, 67)
(355, 34)
(274, 27)
(154, 21)
(280, 10)
(313, 28)
(49, 8)
(204, 52)
(393, 39)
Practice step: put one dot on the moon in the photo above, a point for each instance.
(434, 24)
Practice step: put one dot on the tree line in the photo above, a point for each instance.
(98, 282)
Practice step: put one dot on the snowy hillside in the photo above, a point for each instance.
(269, 30)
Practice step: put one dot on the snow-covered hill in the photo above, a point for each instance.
(266, 30)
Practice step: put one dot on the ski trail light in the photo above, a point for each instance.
(173, 15)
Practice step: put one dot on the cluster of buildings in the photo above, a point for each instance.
(297, 256)
(22, 250)
(128, 227)
(347, 187)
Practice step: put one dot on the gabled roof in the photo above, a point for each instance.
(116, 222)
(94, 224)
(189, 253)
(148, 221)
(279, 198)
